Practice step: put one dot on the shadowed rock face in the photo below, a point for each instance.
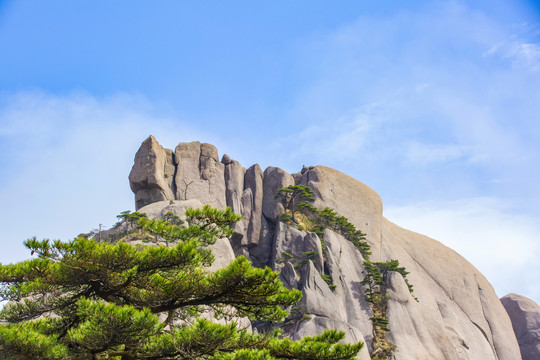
(525, 316)
(458, 315)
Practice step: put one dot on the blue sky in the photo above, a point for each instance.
(434, 104)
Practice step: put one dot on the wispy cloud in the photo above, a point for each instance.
(66, 159)
(439, 103)
(343, 138)
(521, 54)
(428, 154)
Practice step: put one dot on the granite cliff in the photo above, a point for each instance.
(454, 313)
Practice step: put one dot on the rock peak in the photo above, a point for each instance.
(458, 316)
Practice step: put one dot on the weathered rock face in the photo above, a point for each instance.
(350, 198)
(274, 179)
(199, 174)
(152, 174)
(457, 316)
(525, 316)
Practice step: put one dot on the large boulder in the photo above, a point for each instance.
(200, 174)
(252, 205)
(295, 246)
(234, 190)
(525, 316)
(274, 179)
(234, 183)
(151, 178)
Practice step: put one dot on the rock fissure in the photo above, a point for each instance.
(173, 181)
(488, 339)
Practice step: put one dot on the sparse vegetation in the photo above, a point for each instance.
(310, 218)
(291, 197)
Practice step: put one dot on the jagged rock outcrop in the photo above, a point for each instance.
(525, 316)
(192, 171)
(457, 316)
(151, 178)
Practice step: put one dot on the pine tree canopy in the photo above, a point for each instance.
(85, 299)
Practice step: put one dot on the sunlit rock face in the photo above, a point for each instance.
(457, 316)
(525, 316)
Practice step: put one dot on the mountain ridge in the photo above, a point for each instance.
(458, 315)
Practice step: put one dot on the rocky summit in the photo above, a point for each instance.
(452, 313)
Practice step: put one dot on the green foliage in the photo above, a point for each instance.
(306, 256)
(286, 255)
(285, 218)
(129, 217)
(292, 196)
(328, 279)
(375, 284)
(380, 322)
(296, 198)
(376, 273)
(84, 299)
(172, 218)
(328, 218)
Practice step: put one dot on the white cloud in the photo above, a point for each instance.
(427, 154)
(468, 124)
(502, 243)
(521, 54)
(339, 140)
(67, 159)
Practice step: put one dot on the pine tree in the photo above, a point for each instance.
(84, 299)
(294, 197)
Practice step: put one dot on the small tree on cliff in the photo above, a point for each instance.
(292, 197)
(96, 300)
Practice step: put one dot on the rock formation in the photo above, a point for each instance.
(525, 316)
(457, 316)
(151, 179)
